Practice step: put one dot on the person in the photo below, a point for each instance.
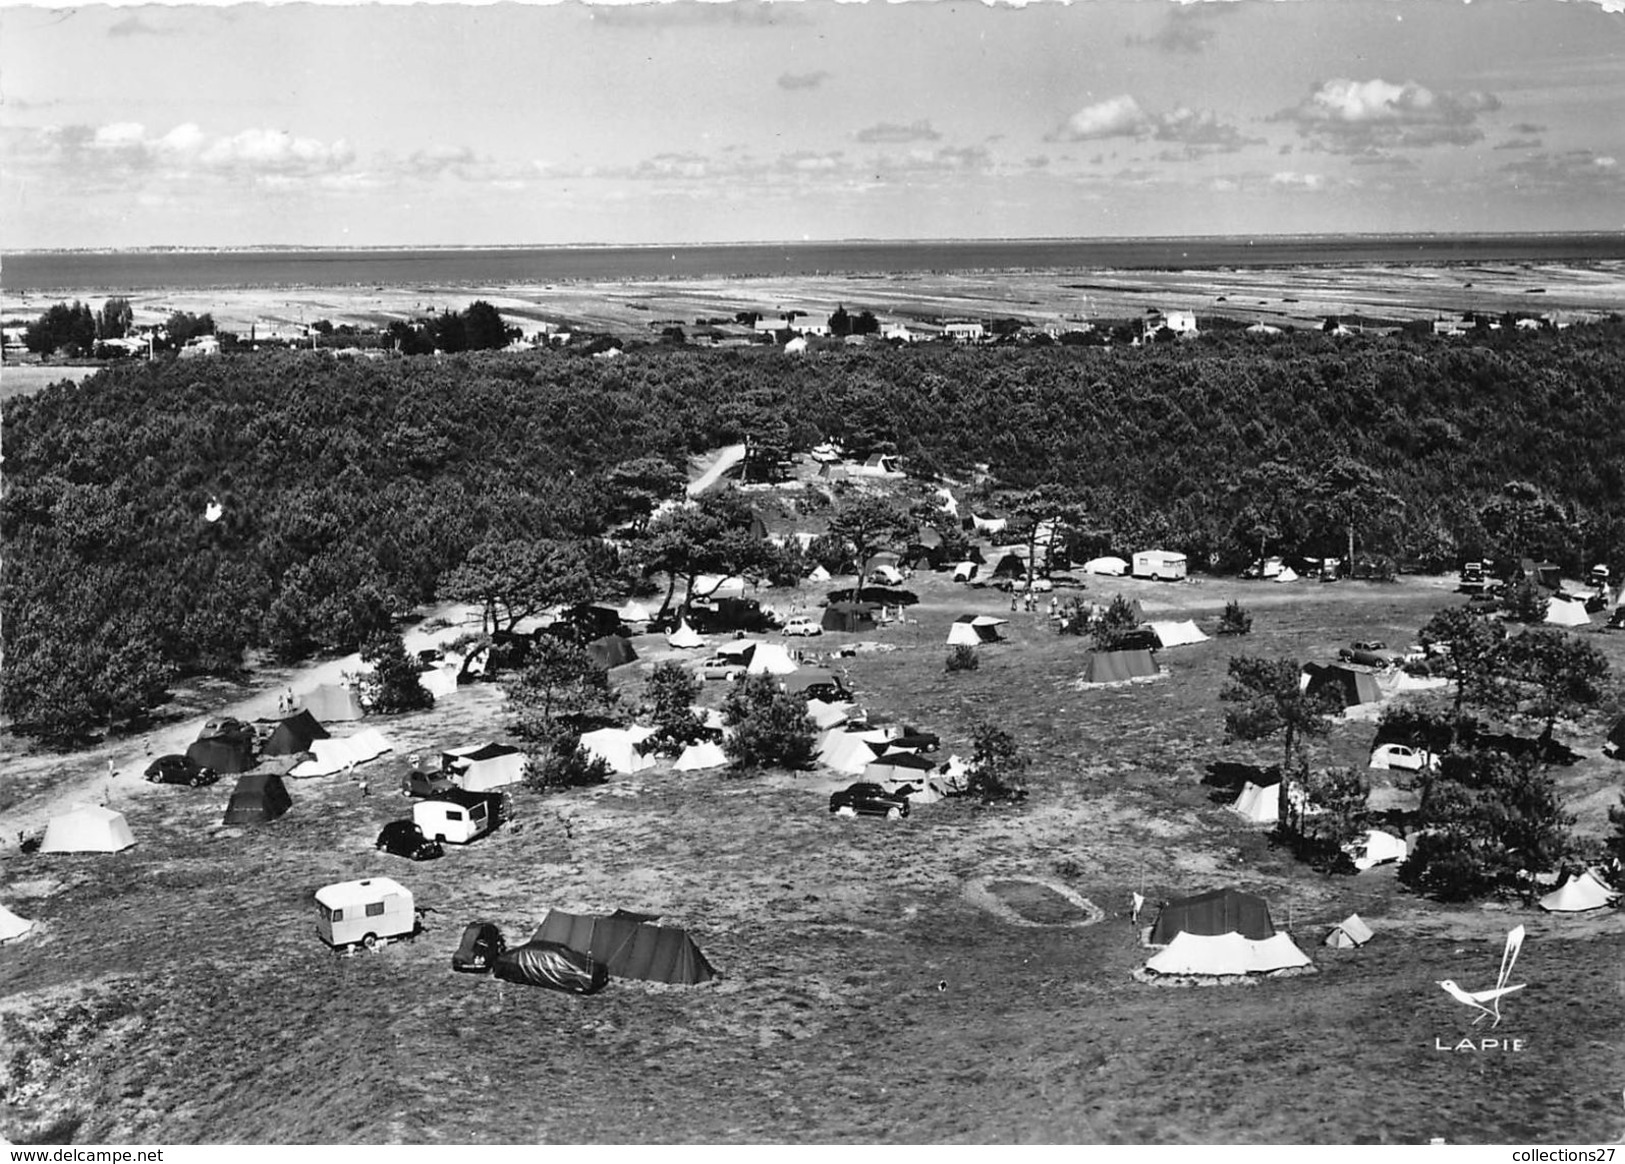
(1139, 903)
(365, 791)
(1012, 602)
(111, 772)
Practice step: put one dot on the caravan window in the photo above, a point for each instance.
(375, 909)
(330, 915)
(477, 812)
(453, 814)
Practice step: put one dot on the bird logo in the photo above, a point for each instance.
(1488, 1002)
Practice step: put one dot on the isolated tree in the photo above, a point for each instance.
(870, 523)
(564, 763)
(840, 323)
(393, 684)
(771, 728)
(1475, 646)
(483, 329)
(1111, 626)
(1235, 620)
(1557, 675)
(559, 682)
(1269, 700)
(997, 765)
(1353, 495)
(1340, 796)
(714, 535)
(668, 696)
(1524, 602)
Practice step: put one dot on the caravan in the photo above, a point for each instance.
(360, 913)
(1161, 565)
(456, 817)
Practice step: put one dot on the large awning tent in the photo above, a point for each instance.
(1178, 634)
(87, 828)
(618, 747)
(971, 630)
(1118, 666)
(770, 659)
(331, 703)
(483, 767)
(335, 755)
(1567, 612)
(294, 734)
(1347, 683)
(259, 797)
(630, 945)
(701, 756)
(1578, 894)
(903, 767)
(1349, 933)
(1222, 955)
(1219, 911)
(227, 748)
(849, 616)
(610, 652)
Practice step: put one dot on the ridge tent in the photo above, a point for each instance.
(1566, 612)
(1348, 933)
(819, 574)
(294, 734)
(228, 747)
(1229, 953)
(12, 926)
(1348, 683)
(629, 946)
(1287, 574)
(633, 611)
(610, 652)
(440, 681)
(770, 659)
(1114, 567)
(971, 630)
(617, 747)
(851, 752)
(697, 757)
(897, 767)
(1177, 634)
(827, 715)
(1578, 894)
(486, 766)
(1377, 848)
(87, 828)
(335, 755)
(685, 637)
(1219, 911)
(258, 798)
(849, 616)
(965, 571)
(1118, 666)
(330, 702)
(1259, 804)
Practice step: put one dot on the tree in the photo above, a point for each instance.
(1522, 522)
(1353, 495)
(1615, 844)
(1524, 602)
(183, 326)
(770, 728)
(564, 763)
(1475, 645)
(870, 522)
(637, 486)
(669, 696)
(513, 579)
(1236, 620)
(865, 323)
(393, 685)
(715, 535)
(1111, 626)
(559, 682)
(840, 323)
(114, 320)
(483, 329)
(1340, 795)
(1557, 675)
(1270, 700)
(996, 767)
(1271, 500)
(1049, 512)
(62, 328)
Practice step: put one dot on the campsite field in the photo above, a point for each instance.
(872, 988)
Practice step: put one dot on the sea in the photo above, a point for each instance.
(136, 270)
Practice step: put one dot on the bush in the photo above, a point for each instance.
(393, 685)
(1525, 603)
(996, 764)
(1235, 620)
(770, 728)
(1447, 867)
(963, 658)
(565, 764)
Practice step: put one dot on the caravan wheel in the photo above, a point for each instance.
(370, 942)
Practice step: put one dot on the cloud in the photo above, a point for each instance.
(1520, 143)
(1528, 128)
(796, 81)
(1119, 116)
(1291, 179)
(1569, 172)
(1187, 31)
(1345, 116)
(892, 134)
(124, 151)
(133, 25)
(1200, 132)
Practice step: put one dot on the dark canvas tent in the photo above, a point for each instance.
(1116, 666)
(552, 965)
(849, 616)
(610, 652)
(228, 750)
(630, 946)
(1221, 911)
(294, 734)
(258, 797)
(1349, 684)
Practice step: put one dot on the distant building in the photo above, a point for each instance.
(810, 325)
(965, 333)
(201, 345)
(1181, 323)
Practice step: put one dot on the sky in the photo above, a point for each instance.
(693, 122)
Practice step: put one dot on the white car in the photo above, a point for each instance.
(803, 627)
(1404, 757)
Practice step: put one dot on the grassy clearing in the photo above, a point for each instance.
(208, 1011)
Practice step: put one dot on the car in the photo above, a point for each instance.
(176, 769)
(1404, 757)
(482, 944)
(403, 838)
(426, 783)
(804, 627)
(721, 667)
(1370, 645)
(869, 800)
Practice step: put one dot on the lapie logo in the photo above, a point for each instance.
(1488, 1002)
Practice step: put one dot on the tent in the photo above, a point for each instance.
(12, 926)
(617, 747)
(610, 652)
(1258, 804)
(827, 715)
(330, 702)
(965, 571)
(485, 766)
(819, 574)
(1115, 567)
(916, 791)
(440, 681)
(851, 752)
(87, 828)
(227, 746)
(1287, 574)
(904, 767)
(1118, 666)
(259, 797)
(630, 946)
(293, 735)
(970, 630)
(1578, 894)
(552, 965)
(1220, 911)
(1348, 933)
(740, 649)
(1348, 683)
(1178, 634)
(1377, 848)
(330, 756)
(685, 637)
(697, 757)
(717, 586)
(770, 659)
(1567, 612)
(1222, 954)
(849, 616)
(633, 611)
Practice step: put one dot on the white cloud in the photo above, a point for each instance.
(1347, 116)
(1119, 116)
(1291, 179)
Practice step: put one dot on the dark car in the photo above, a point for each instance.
(176, 769)
(869, 800)
(481, 945)
(427, 783)
(403, 838)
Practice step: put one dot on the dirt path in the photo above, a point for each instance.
(727, 458)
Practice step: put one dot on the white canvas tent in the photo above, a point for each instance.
(827, 715)
(1376, 849)
(965, 571)
(1348, 933)
(697, 757)
(849, 752)
(633, 611)
(329, 702)
(1178, 634)
(1115, 567)
(819, 574)
(87, 828)
(1258, 805)
(617, 747)
(1287, 574)
(1578, 894)
(1222, 954)
(335, 755)
(685, 637)
(12, 926)
(440, 682)
(716, 586)
(1566, 612)
(770, 659)
(973, 630)
(500, 767)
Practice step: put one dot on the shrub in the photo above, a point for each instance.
(963, 658)
(770, 728)
(1525, 603)
(1235, 620)
(996, 764)
(565, 764)
(393, 684)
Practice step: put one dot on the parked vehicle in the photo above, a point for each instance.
(363, 913)
(803, 627)
(176, 769)
(1403, 757)
(403, 838)
(722, 667)
(869, 800)
(1264, 568)
(458, 817)
(427, 783)
(482, 944)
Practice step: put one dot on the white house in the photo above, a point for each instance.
(810, 325)
(965, 333)
(202, 345)
(1182, 323)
